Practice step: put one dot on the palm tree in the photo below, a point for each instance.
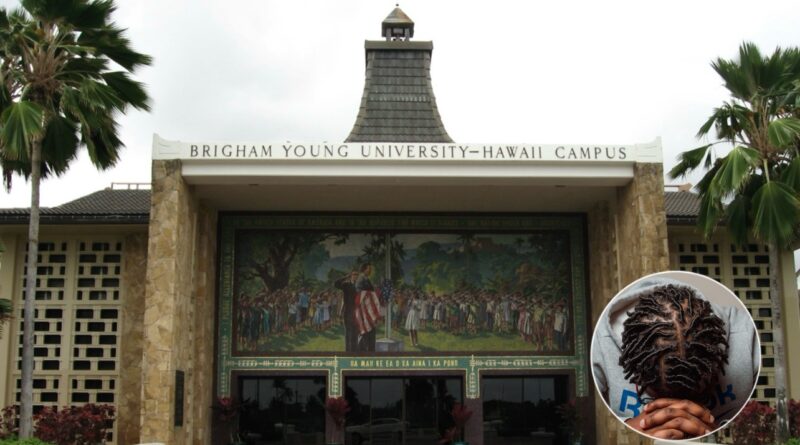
(64, 74)
(754, 187)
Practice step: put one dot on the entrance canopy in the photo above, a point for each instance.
(466, 177)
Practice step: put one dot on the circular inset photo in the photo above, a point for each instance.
(675, 355)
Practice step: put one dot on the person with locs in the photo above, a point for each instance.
(670, 363)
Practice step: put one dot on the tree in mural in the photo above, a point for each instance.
(467, 258)
(268, 256)
(375, 253)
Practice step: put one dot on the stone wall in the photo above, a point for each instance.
(627, 239)
(178, 319)
(642, 224)
(130, 361)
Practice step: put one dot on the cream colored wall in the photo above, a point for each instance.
(68, 382)
(688, 235)
(7, 274)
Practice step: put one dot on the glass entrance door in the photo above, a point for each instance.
(282, 410)
(524, 410)
(400, 410)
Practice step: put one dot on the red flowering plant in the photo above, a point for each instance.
(755, 425)
(8, 422)
(794, 418)
(74, 425)
(461, 415)
(227, 410)
(337, 408)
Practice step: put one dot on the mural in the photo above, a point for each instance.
(300, 291)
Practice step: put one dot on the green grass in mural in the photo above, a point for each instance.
(307, 339)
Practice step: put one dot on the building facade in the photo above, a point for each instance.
(399, 270)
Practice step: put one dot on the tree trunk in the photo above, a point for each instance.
(26, 400)
(782, 427)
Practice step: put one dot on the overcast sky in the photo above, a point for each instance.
(503, 71)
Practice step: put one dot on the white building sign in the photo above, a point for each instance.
(406, 152)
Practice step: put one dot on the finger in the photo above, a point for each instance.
(692, 408)
(664, 415)
(667, 434)
(692, 428)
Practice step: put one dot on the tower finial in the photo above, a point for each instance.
(397, 25)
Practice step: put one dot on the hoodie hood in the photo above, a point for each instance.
(735, 386)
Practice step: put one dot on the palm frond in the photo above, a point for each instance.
(20, 122)
(6, 309)
(60, 144)
(689, 160)
(704, 184)
(791, 175)
(127, 89)
(112, 43)
(776, 213)
(709, 214)
(784, 132)
(738, 219)
(734, 171)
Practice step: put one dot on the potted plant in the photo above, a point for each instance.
(228, 411)
(455, 435)
(337, 408)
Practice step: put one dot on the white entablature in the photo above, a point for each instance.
(231, 162)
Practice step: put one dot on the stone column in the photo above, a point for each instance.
(627, 239)
(130, 358)
(178, 318)
(642, 224)
(202, 389)
(791, 330)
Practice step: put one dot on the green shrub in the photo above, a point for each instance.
(794, 441)
(31, 441)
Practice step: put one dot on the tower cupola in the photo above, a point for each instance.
(397, 25)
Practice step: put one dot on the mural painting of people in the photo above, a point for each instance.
(314, 291)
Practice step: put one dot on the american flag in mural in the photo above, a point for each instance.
(368, 311)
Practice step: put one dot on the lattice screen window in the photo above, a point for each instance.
(700, 257)
(747, 275)
(750, 274)
(77, 324)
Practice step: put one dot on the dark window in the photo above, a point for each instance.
(283, 410)
(400, 410)
(515, 409)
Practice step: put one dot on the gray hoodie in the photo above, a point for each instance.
(734, 388)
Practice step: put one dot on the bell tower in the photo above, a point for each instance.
(398, 104)
(397, 25)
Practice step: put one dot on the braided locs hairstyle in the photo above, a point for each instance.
(674, 344)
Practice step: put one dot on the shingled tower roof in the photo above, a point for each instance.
(398, 104)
